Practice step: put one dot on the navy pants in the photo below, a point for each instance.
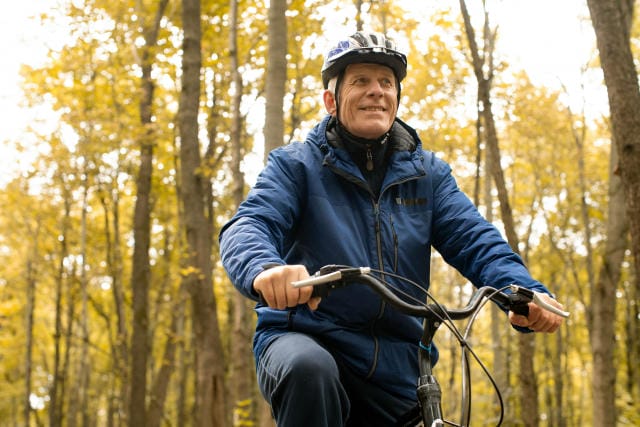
(305, 386)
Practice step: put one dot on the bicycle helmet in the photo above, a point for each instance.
(363, 47)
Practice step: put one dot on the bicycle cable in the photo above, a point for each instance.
(462, 339)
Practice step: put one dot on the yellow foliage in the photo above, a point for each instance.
(71, 212)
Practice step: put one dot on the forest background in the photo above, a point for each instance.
(114, 309)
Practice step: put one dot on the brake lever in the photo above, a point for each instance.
(521, 296)
(318, 279)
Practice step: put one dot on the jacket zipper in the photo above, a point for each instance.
(376, 206)
(369, 159)
(395, 244)
(376, 343)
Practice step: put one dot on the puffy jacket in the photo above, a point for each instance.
(311, 206)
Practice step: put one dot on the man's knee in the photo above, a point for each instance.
(301, 381)
(313, 368)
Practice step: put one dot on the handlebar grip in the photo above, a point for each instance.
(320, 291)
(328, 278)
(521, 309)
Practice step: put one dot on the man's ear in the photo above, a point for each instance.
(329, 102)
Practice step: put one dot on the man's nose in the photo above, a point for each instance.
(375, 88)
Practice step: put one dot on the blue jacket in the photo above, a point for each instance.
(311, 206)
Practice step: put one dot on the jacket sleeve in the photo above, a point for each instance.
(258, 234)
(469, 242)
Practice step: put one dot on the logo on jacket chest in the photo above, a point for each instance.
(414, 201)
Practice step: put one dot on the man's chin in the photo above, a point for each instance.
(371, 129)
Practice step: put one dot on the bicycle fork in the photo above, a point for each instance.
(429, 395)
(428, 390)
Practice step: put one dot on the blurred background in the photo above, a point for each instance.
(109, 318)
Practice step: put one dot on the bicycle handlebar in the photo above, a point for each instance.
(335, 276)
(429, 393)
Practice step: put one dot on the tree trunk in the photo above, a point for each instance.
(55, 406)
(237, 191)
(603, 305)
(114, 264)
(498, 341)
(241, 371)
(140, 270)
(71, 303)
(184, 362)
(175, 333)
(358, 6)
(276, 76)
(560, 369)
(527, 380)
(28, 324)
(611, 22)
(210, 391)
(110, 199)
(245, 393)
(484, 89)
(167, 366)
(631, 343)
(83, 365)
(78, 395)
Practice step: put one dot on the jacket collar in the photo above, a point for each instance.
(406, 161)
(402, 136)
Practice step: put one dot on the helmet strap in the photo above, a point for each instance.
(336, 91)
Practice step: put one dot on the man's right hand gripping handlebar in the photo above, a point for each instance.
(275, 290)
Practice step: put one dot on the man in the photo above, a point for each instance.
(359, 191)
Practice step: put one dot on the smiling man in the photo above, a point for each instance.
(359, 191)
(369, 100)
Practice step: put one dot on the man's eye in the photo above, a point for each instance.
(386, 83)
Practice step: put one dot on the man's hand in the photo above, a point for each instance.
(539, 319)
(274, 284)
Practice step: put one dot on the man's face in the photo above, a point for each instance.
(368, 100)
